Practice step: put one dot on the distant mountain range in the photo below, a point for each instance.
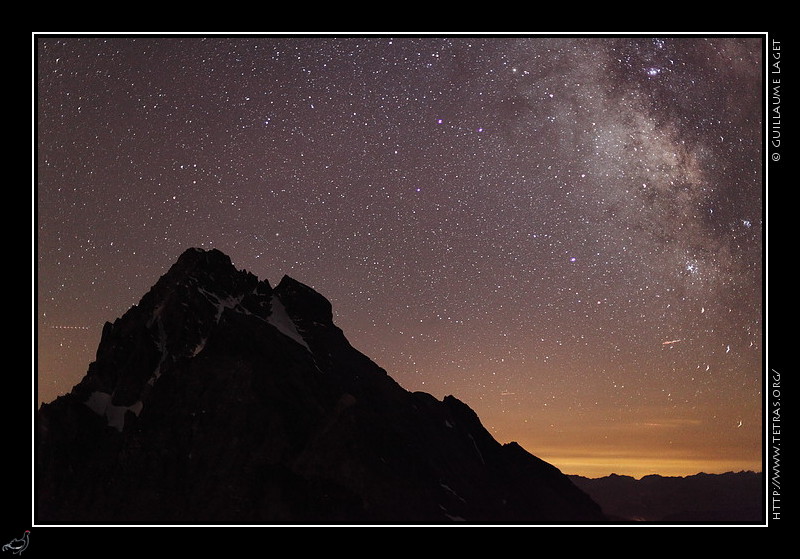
(219, 399)
(702, 498)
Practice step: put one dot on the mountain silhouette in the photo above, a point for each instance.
(219, 399)
(701, 498)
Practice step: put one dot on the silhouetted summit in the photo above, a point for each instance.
(220, 399)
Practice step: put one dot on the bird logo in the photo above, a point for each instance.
(18, 545)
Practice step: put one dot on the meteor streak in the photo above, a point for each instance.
(670, 342)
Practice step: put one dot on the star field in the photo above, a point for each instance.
(522, 222)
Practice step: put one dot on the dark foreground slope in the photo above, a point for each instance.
(220, 399)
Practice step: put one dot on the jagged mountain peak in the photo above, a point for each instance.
(304, 301)
(220, 399)
(196, 256)
(210, 270)
(171, 324)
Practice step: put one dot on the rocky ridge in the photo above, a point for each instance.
(219, 399)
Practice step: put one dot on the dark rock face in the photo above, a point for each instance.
(220, 400)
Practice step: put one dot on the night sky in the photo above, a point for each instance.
(563, 232)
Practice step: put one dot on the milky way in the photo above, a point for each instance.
(522, 222)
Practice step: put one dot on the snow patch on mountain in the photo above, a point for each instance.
(100, 403)
(221, 303)
(161, 342)
(281, 320)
